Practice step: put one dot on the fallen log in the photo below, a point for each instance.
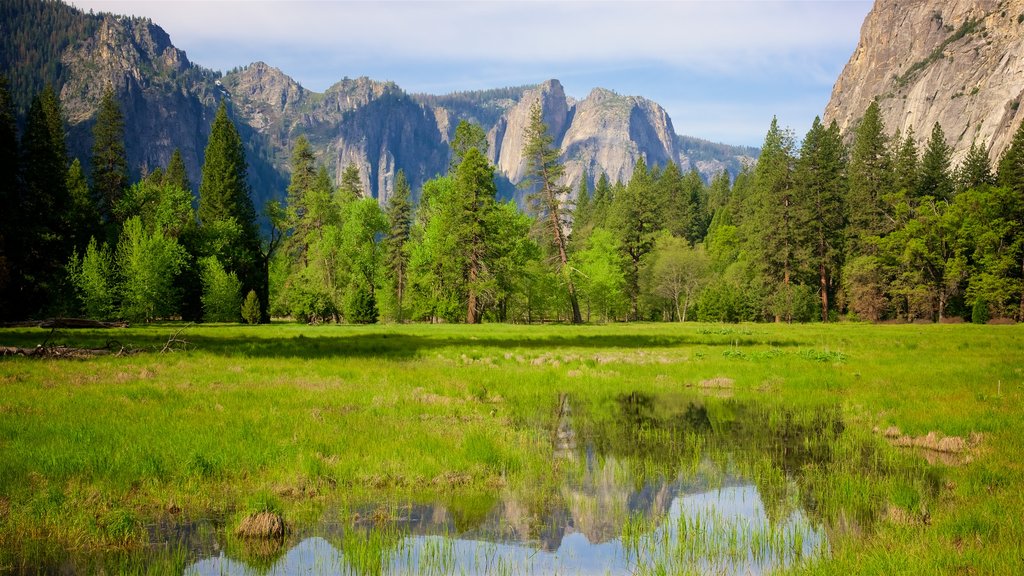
(53, 352)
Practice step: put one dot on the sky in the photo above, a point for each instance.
(721, 69)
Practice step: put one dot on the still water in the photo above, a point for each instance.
(648, 486)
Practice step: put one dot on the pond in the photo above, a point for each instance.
(646, 485)
(637, 484)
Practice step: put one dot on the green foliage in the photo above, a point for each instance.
(636, 215)
(936, 176)
(146, 262)
(361, 304)
(677, 273)
(93, 279)
(467, 135)
(976, 169)
(870, 176)
(11, 224)
(599, 268)
(399, 214)
(109, 160)
(222, 296)
(979, 312)
(251, 308)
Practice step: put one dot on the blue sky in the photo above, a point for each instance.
(720, 68)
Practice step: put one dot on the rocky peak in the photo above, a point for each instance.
(505, 139)
(957, 62)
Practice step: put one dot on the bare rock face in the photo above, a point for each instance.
(167, 102)
(506, 137)
(609, 133)
(957, 62)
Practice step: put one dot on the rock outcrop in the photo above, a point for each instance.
(959, 63)
(168, 102)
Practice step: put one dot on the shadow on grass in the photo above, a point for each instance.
(233, 342)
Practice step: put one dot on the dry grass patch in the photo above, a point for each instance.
(262, 525)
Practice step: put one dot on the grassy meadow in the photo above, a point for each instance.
(97, 454)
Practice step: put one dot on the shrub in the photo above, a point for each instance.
(251, 308)
(361, 305)
(979, 313)
(221, 292)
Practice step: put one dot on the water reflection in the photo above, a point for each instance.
(723, 531)
(648, 485)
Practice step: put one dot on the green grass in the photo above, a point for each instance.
(303, 419)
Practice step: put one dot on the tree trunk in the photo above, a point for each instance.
(471, 306)
(824, 291)
(1021, 318)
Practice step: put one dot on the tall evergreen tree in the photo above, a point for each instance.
(544, 174)
(678, 207)
(176, 175)
(870, 179)
(906, 165)
(109, 161)
(581, 207)
(475, 189)
(467, 135)
(776, 220)
(225, 207)
(1011, 176)
(821, 180)
(351, 187)
(976, 169)
(636, 216)
(11, 221)
(936, 179)
(45, 245)
(399, 213)
(83, 219)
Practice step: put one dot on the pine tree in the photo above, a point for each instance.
(936, 179)
(544, 174)
(1011, 176)
(467, 135)
(176, 175)
(45, 245)
(351, 187)
(475, 189)
(976, 169)
(775, 222)
(906, 165)
(83, 219)
(636, 216)
(581, 208)
(678, 208)
(225, 207)
(821, 180)
(870, 174)
(109, 161)
(11, 220)
(399, 214)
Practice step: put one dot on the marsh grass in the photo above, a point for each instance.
(95, 452)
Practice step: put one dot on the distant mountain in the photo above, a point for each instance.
(169, 103)
(956, 62)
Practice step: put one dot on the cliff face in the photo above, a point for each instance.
(168, 103)
(958, 62)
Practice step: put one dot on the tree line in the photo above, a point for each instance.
(873, 230)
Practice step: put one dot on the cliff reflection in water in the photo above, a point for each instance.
(646, 483)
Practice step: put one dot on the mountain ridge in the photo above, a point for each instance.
(169, 102)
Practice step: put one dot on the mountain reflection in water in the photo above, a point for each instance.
(613, 514)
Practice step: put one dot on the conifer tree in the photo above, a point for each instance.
(776, 222)
(906, 164)
(351, 187)
(545, 172)
(11, 221)
(1011, 177)
(976, 169)
(678, 208)
(936, 180)
(581, 207)
(636, 217)
(870, 175)
(475, 190)
(820, 178)
(225, 207)
(83, 219)
(399, 213)
(45, 246)
(109, 162)
(467, 135)
(176, 175)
